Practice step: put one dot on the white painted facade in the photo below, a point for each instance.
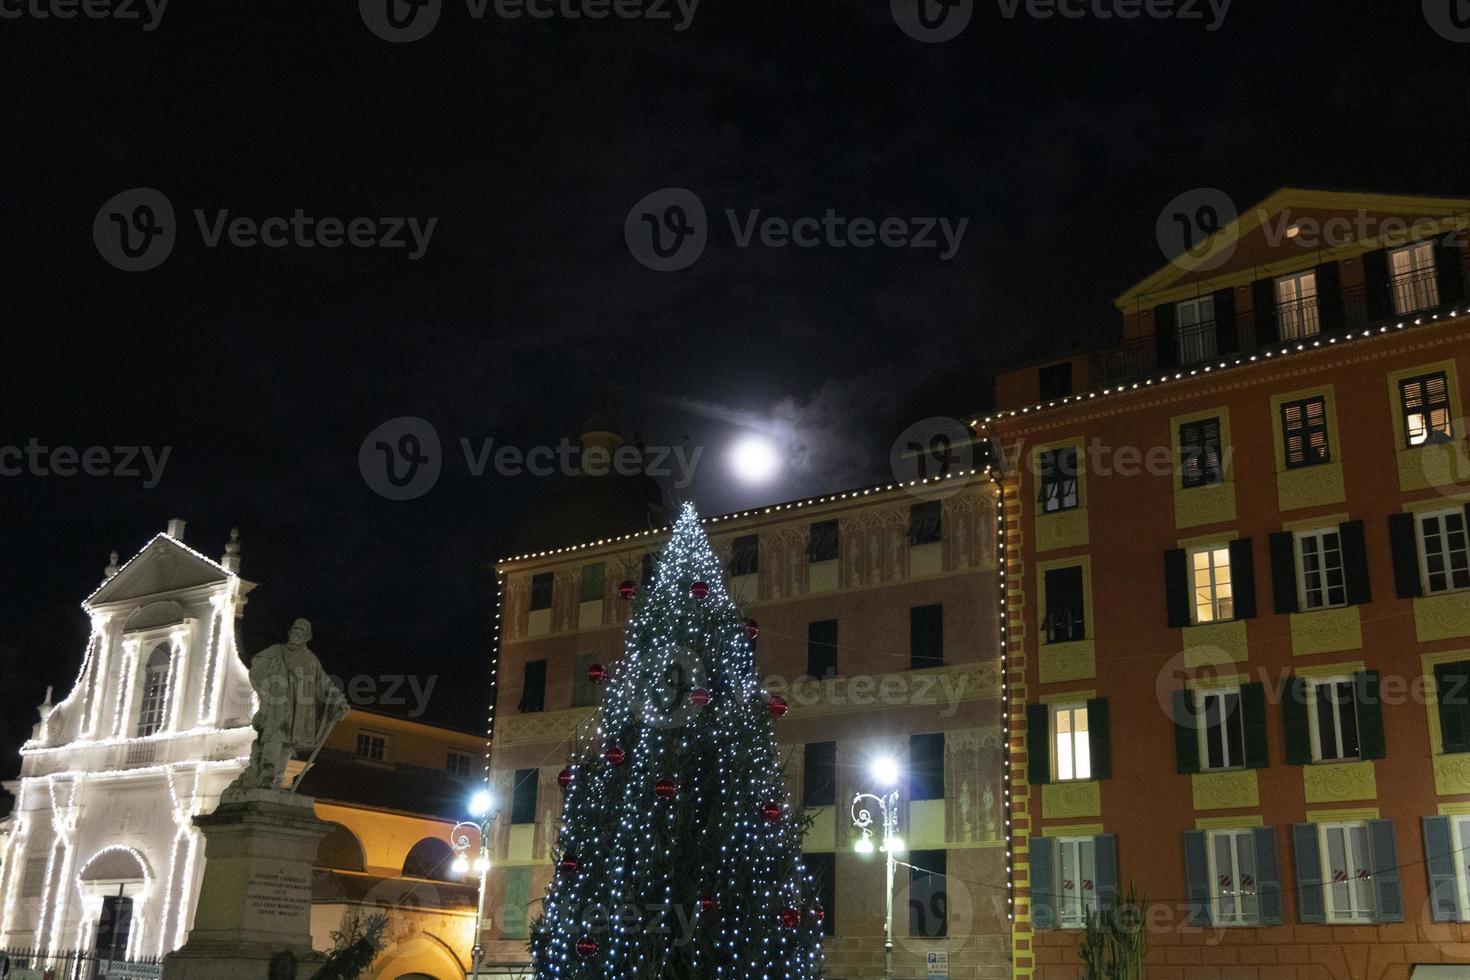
(155, 727)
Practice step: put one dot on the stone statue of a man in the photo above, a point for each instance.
(299, 704)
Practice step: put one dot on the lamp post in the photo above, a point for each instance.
(459, 842)
(885, 771)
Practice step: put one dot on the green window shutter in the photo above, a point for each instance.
(1166, 335)
(1176, 586)
(1329, 297)
(1043, 883)
(1243, 578)
(1227, 335)
(1384, 860)
(513, 923)
(1268, 876)
(1197, 877)
(1186, 733)
(1294, 722)
(1370, 715)
(1440, 858)
(1099, 738)
(1283, 572)
(1253, 719)
(1311, 900)
(1379, 288)
(1449, 273)
(1105, 867)
(584, 692)
(1452, 690)
(1404, 539)
(1355, 562)
(1038, 744)
(1263, 308)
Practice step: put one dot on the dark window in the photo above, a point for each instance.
(584, 691)
(1337, 721)
(1223, 725)
(541, 586)
(819, 774)
(745, 555)
(926, 637)
(459, 764)
(1065, 614)
(924, 522)
(592, 582)
(114, 926)
(1304, 431)
(372, 747)
(1452, 684)
(823, 869)
(523, 796)
(821, 649)
(1058, 478)
(823, 545)
(533, 690)
(1199, 453)
(1056, 381)
(926, 767)
(1426, 404)
(928, 896)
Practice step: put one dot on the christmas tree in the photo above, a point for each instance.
(679, 855)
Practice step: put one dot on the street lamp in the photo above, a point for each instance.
(885, 771)
(460, 842)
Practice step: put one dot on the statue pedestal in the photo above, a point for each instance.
(255, 900)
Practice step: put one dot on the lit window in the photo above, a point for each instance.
(1426, 406)
(155, 691)
(1411, 271)
(1195, 324)
(1304, 432)
(1347, 873)
(1334, 717)
(1319, 569)
(372, 747)
(1296, 306)
(1058, 479)
(1210, 575)
(1077, 895)
(1222, 729)
(1444, 552)
(1069, 736)
(1233, 896)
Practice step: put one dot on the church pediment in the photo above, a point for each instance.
(164, 565)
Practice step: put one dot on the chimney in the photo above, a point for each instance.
(176, 528)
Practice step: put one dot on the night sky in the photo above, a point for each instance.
(528, 142)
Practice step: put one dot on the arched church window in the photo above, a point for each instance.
(155, 691)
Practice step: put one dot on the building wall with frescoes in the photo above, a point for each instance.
(1238, 606)
(877, 616)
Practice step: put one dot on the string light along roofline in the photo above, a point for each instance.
(87, 602)
(1242, 361)
(832, 498)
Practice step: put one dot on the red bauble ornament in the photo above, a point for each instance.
(570, 865)
(819, 913)
(708, 903)
(616, 755)
(699, 697)
(771, 812)
(699, 590)
(628, 589)
(586, 947)
(597, 673)
(779, 707)
(564, 778)
(665, 789)
(752, 629)
(790, 918)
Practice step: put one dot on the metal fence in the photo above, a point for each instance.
(72, 964)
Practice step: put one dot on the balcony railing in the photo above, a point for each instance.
(1413, 293)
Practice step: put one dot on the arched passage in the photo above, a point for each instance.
(340, 850)
(430, 858)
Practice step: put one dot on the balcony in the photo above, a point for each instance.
(1412, 293)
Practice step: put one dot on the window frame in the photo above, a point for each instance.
(1081, 761)
(1314, 719)
(542, 581)
(922, 779)
(1216, 602)
(1078, 623)
(1197, 449)
(526, 670)
(1079, 858)
(1241, 919)
(154, 700)
(1364, 914)
(814, 642)
(745, 555)
(926, 523)
(829, 788)
(1422, 281)
(1302, 311)
(582, 582)
(365, 735)
(1319, 534)
(1459, 841)
(518, 803)
(452, 757)
(917, 871)
(1201, 720)
(1432, 435)
(929, 662)
(1305, 432)
(1444, 535)
(834, 538)
(1191, 337)
(1054, 484)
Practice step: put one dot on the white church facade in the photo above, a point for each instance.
(101, 852)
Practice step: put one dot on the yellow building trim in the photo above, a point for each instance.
(1204, 540)
(1445, 616)
(1063, 528)
(1320, 672)
(1340, 782)
(1229, 823)
(1326, 522)
(1342, 816)
(1454, 809)
(1308, 486)
(1070, 799)
(1066, 697)
(1073, 830)
(1213, 503)
(1436, 464)
(1326, 631)
(1217, 682)
(1074, 660)
(1219, 644)
(1237, 789)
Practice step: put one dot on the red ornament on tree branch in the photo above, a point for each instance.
(699, 590)
(564, 778)
(616, 755)
(597, 673)
(779, 707)
(790, 918)
(628, 589)
(665, 789)
(752, 629)
(699, 697)
(771, 812)
(586, 947)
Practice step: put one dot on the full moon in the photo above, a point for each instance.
(754, 459)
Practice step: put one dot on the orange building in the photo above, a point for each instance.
(1238, 605)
